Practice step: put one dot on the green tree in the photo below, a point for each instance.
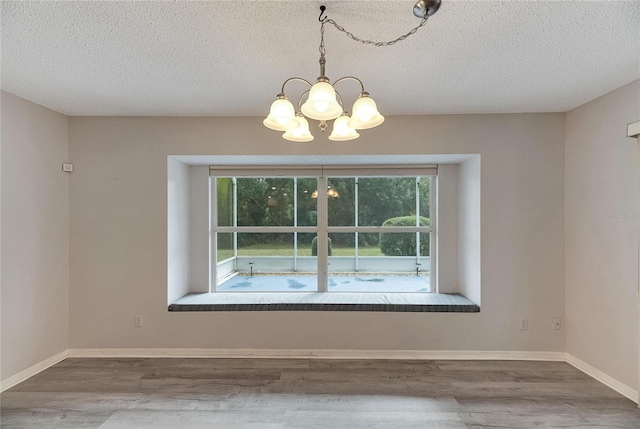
(403, 244)
(269, 202)
(265, 202)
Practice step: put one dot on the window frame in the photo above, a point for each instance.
(322, 229)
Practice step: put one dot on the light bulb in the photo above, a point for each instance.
(321, 106)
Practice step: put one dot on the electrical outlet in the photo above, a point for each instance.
(556, 324)
(138, 322)
(524, 324)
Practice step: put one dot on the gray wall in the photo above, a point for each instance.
(35, 234)
(601, 234)
(119, 235)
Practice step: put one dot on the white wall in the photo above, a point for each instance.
(119, 235)
(601, 234)
(447, 196)
(35, 234)
(178, 230)
(199, 227)
(187, 229)
(469, 227)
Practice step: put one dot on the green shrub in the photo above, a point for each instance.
(403, 244)
(314, 246)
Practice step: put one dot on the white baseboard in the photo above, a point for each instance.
(603, 378)
(320, 354)
(33, 370)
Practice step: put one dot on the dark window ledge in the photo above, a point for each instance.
(343, 301)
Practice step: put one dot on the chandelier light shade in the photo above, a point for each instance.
(365, 113)
(342, 131)
(324, 103)
(301, 132)
(282, 115)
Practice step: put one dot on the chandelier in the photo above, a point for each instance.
(324, 103)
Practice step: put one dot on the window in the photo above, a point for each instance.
(323, 229)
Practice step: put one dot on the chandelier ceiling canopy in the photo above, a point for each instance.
(324, 103)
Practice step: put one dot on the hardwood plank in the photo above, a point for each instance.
(371, 420)
(145, 419)
(307, 393)
(43, 418)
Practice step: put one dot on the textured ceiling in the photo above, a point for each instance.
(230, 58)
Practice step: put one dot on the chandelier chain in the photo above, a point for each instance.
(364, 41)
(322, 50)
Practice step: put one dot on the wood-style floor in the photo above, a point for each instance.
(309, 394)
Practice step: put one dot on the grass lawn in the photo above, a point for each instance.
(266, 249)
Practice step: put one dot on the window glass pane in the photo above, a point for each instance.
(266, 263)
(341, 204)
(306, 244)
(424, 193)
(369, 244)
(307, 204)
(265, 244)
(224, 191)
(265, 201)
(225, 246)
(399, 244)
(225, 262)
(425, 239)
(357, 261)
(384, 199)
(342, 244)
(307, 260)
(342, 252)
(386, 262)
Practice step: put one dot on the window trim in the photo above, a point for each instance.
(364, 170)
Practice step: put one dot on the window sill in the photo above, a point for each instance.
(342, 301)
